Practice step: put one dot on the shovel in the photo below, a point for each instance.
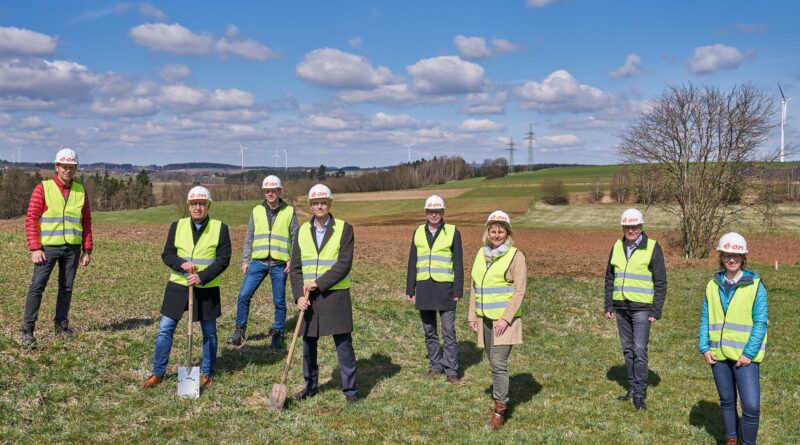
(189, 376)
(277, 397)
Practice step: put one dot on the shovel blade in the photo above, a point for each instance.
(189, 382)
(277, 397)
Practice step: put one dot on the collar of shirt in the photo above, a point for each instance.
(324, 226)
(735, 278)
(634, 244)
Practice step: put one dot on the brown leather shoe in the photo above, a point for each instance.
(454, 380)
(732, 441)
(498, 418)
(206, 381)
(151, 381)
(431, 374)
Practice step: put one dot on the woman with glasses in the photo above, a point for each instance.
(733, 335)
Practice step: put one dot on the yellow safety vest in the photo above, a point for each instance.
(633, 280)
(202, 254)
(492, 291)
(314, 263)
(435, 262)
(729, 331)
(61, 223)
(272, 242)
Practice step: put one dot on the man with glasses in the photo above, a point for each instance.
(267, 251)
(435, 281)
(197, 251)
(635, 289)
(58, 226)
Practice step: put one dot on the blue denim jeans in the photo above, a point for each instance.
(745, 379)
(164, 343)
(634, 335)
(256, 273)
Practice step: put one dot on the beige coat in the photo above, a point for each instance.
(517, 273)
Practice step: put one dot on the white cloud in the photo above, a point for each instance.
(558, 141)
(231, 30)
(326, 123)
(383, 121)
(446, 75)
(504, 46)
(472, 47)
(174, 73)
(125, 107)
(182, 96)
(32, 123)
(24, 42)
(148, 10)
(480, 126)
(229, 115)
(395, 95)
(587, 123)
(355, 42)
(631, 68)
(42, 79)
(561, 92)
(484, 103)
(334, 68)
(712, 58)
(542, 3)
(177, 39)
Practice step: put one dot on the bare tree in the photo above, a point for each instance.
(597, 190)
(704, 141)
(620, 185)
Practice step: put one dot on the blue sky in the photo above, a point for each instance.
(352, 83)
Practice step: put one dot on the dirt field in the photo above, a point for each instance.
(398, 194)
(550, 252)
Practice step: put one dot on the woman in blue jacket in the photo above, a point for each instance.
(733, 335)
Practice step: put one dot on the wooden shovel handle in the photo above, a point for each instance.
(285, 372)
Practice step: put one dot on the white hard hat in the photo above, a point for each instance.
(499, 216)
(631, 217)
(320, 191)
(434, 202)
(198, 193)
(732, 243)
(66, 156)
(272, 182)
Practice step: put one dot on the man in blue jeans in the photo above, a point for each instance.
(267, 251)
(197, 251)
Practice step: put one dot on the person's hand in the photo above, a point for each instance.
(309, 287)
(410, 297)
(652, 319)
(245, 266)
(473, 326)
(709, 357)
(189, 267)
(609, 315)
(500, 327)
(288, 266)
(193, 279)
(742, 362)
(38, 256)
(456, 298)
(85, 259)
(303, 303)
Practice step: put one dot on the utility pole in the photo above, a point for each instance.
(511, 151)
(530, 139)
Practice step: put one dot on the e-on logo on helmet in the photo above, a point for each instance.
(733, 246)
(630, 220)
(434, 204)
(196, 195)
(319, 195)
(63, 159)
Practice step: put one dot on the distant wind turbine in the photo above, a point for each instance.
(241, 152)
(784, 103)
(276, 156)
(408, 146)
(19, 155)
(286, 159)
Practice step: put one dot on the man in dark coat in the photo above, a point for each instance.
(435, 281)
(322, 256)
(197, 251)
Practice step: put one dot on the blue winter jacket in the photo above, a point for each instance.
(760, 315)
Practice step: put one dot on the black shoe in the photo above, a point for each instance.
(351, 399)
(625, 397)
(277, 339)
(305, 394)
(638, 403)
(237, 338)
(27, 339)
(63, 330)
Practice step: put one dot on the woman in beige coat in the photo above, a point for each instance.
(499, 278)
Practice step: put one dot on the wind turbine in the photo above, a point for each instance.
(19, 155)
(784, 102)
(276, 156)
(408, 146)
(285, 160)
(241, 152)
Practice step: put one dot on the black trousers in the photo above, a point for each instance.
(347, 362)
(634, 335)
(67, 257)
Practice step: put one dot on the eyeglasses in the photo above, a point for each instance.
(735, 258)
(271, 191)
(198, 204)
(631, 228)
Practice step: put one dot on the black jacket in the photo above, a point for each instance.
(206, 300)
(659, 271)
(331, 311)
(431, 295)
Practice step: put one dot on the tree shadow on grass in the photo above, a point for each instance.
(707, 415)
(370, 372)
(129, 324)
(521, 389)
(619, 374)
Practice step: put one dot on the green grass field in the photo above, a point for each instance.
(564, 379)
